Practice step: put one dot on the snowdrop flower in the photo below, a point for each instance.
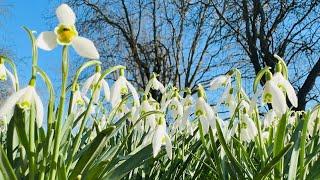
(175, 106)
(161, 137)
(24, 98)
(66, 34)
(154, 84)
(269, 119)
(315, 115)
(222, 80)
(285, 85)
(121, 87)
(78, 100)
(150, 121)
(273, 94)
(4, 73)
(92, 81)
(248, 130)
(204, 112)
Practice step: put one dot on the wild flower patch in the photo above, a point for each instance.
(132, 138)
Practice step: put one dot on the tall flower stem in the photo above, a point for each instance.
(58, 124)
(32, 166)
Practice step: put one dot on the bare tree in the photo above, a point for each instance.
(188, 42)
(287, 28)
(179, 40)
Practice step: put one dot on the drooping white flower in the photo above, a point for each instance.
(248, 130)
(4, 73)
(161, 137)
(155, 85)
(273, 94)
(121, 87)
(78, 100)
(315, 115)
(91, 82)
(183, 123)
(222, 80)
(66, 34)
(287, 87)
(25, 98)
(174, 106)
(206, 114)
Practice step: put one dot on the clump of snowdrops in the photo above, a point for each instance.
(97, 131)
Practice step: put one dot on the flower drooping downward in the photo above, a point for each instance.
(25, 98)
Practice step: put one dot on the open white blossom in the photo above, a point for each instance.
(155, 85)
(206, 114)
(91, 82)
(25, 98)
(285, 85)
(222, 80)
(121, 87)
(66, 34)
(161, 137)
(248, 130)
(273, 94)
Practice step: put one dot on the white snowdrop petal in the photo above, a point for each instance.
(106, 89)
(85, 48)
(278, 100)
(87, 84)
(12, 78)
(134, 93)
(157, 141)
(65, 15)
(47, 40)
(168, 146)
(7, 108)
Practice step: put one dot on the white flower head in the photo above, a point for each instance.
(66, 34)
(91, 82)
(155, 85)
(315, 115)
(161, 137)
(222, 80)
(206, 114)
(273, 94)
(285, 85)
(4, 73)
(248, 129)
(122, 87)
(25, 98)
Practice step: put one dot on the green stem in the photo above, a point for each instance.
(302, 147)
(58, 124)
(32, 144)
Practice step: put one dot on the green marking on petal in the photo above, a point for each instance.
(267, 98)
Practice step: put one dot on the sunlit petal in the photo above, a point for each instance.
(65, 15)
(47, 40)
(85, 48)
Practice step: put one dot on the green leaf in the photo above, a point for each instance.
(294, 159)
(5, 167)
(279, 143)
(268, 168)
(94, 149)
(134, 161)
(237, 166)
